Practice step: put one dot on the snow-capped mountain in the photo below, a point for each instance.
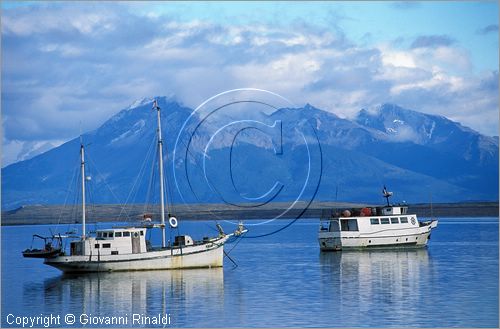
(414, 154)
(437, 132)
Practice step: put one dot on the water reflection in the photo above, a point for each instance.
(146, 292)
(387, 283)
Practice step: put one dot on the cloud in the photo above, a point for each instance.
(432, 41)
(405, 5)
(69, 65)
(492, 28)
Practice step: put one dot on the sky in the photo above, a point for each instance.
(67, 67)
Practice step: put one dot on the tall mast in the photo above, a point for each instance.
(162, 193)
(82, 157)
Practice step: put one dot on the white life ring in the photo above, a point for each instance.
(173, 222)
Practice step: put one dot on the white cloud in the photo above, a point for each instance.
(398, 58)
(63, 64)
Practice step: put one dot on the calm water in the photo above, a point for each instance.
(282, 281)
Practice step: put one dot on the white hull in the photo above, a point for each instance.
(205, 255)
(395, 230)
(329, 242)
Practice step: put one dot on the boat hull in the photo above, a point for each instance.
(206, 255)
(415, 238)
(35, 253)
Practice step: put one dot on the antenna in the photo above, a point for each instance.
(81, 138)
(387, 195)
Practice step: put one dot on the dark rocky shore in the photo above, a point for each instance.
(53, 214)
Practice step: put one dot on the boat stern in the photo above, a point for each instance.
(329, 242)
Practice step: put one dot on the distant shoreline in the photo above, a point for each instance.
(56, 214)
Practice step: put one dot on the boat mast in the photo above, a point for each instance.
(162, 193)
(82, 158)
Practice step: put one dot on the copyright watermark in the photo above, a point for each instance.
(70, 319)
(246, 148)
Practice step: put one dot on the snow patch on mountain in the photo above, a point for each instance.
(140, 102)
(130, 135)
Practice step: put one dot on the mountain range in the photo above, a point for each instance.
(283, 155)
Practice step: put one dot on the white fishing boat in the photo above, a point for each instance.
(389, 226)
(126, 248)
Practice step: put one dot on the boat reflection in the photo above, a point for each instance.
(363, 278)
(121, 293)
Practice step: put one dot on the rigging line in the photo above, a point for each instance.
(229, 257)
(139, 178)
(68, 192)
(76, 198)
(92, 203)
(140, 174)
(199, 166)
(91, 161)
(151, 185)
(170, 194)
(169, 199)
(208, 178)
(170, 207)
(238, 240)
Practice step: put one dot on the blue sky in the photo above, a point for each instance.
(68, 65)
(364, 22)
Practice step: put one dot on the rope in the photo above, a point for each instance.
(140, 174)
(68, 192)
(151, 182)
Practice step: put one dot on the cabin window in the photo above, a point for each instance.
(114, 252)
(142, 232)
(96, 246)
(136, 234)
(110, 234)
(384, 220)
(99, 234)
(126, 233)
(374, 221)
(349, 224)
(106, 245)
(334, 226)
(394, 220)
(404, 220)
(118, 234)
(324, 226)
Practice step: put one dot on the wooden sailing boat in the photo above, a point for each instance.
(126, 248)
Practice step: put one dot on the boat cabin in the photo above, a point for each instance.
(114, 241)
(368, 219)
(119, 241)
(393, 210)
